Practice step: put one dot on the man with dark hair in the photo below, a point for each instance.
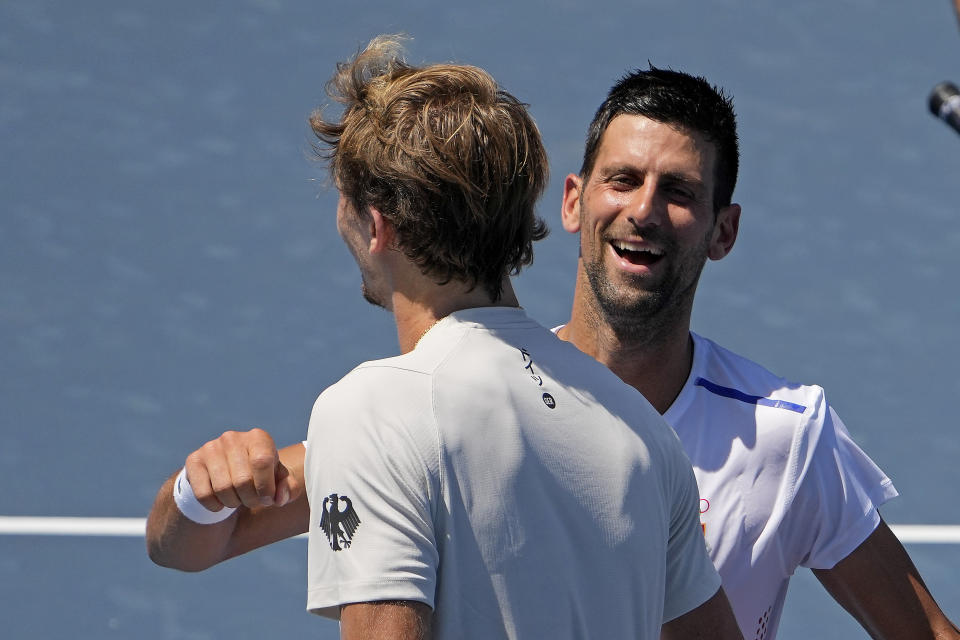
(492, 481)
(782, 484)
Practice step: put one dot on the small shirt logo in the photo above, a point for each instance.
(528, 365)
(762, 625)
(536, 377)
(339, 524)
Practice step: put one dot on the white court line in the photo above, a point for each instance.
(135, 527)
(36, 526)
(927, 533)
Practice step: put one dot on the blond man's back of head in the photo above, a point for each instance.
(454, 162)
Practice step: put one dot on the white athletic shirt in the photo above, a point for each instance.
(781, 483)
(507, 480)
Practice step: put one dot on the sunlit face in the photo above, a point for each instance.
(646, 220)
(354, 229)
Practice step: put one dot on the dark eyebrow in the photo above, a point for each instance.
(695, 183)
(614, 170)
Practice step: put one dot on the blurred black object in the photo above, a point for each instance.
(945, 104)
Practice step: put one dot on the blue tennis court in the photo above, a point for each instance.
(169, 266)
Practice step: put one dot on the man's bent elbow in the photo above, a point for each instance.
(163, 558)
(172, 549)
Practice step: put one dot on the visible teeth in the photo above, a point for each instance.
(629, 246)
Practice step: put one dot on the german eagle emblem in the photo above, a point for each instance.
(339, 524)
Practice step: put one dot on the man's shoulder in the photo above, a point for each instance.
(725, 372)
(383, 369)
(376, 386)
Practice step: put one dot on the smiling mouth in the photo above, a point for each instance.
(642, 256)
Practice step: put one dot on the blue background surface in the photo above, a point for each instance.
(169, 266)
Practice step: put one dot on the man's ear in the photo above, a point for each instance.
(725, 232)
(570, 208)
(382, 232)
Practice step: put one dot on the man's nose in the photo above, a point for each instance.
(646, 208)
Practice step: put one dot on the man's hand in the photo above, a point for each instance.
(241, 469)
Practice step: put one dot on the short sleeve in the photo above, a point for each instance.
(691, 578)
(835, 504)
(371, 490)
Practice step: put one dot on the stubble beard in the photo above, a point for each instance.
(368, 294)
(632, 317)
(637, 312)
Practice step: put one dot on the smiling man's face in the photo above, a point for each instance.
(646, 219)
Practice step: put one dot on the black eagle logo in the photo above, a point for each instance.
(339, 525)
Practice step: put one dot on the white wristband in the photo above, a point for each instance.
(191, 507)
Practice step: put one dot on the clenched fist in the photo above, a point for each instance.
(241, 468)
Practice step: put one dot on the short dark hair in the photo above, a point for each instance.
(680, 100)
(455, 163)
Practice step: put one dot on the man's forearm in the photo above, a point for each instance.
(175, 541)
(880, 586)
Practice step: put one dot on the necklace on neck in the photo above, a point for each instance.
(425, 332)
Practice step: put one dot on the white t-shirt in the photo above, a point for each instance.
(508, 481)
(781, 483)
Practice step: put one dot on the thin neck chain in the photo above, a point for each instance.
(425, 332)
